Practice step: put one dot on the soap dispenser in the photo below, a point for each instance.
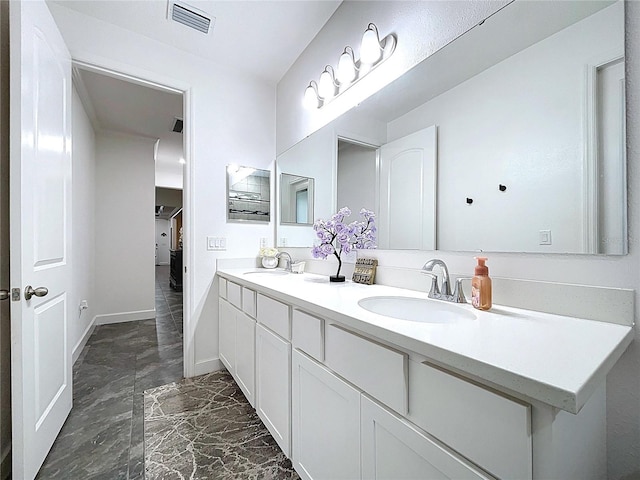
(481, 286)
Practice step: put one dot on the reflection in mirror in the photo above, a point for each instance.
(529, 110)
(296, 199)
(248, 194)
(357, 177)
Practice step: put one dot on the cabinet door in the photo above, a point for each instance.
(227, 334)
(245, 355)
(394, 449)
(326, 423)
(273, 385)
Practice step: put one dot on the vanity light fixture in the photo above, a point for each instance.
(327, 84)
(311, 99)
(347, 70)
(331, 84)
(371, 50)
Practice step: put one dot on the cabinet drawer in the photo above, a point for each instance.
(249, 302)
(274, 315)
(375, 368)
(307, 334)
(222, 287)
(234, 294)
(491, 430)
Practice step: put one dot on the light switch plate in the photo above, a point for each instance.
(216, 243)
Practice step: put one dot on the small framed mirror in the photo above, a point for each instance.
(296, 199)
(248, 194)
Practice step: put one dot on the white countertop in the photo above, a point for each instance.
(553, 359)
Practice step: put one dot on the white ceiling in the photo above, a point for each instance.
(263, 38)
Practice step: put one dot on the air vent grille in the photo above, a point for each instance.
(178, 125)
(187, 16)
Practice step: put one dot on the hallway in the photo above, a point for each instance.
(103, 435)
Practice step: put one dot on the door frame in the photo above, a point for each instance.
(160, 82)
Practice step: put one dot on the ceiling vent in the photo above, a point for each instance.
(189, 16)
(178, 125)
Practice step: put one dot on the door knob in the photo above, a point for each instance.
(38, 292)
(4, 294)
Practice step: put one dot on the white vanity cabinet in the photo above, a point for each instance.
(237, 339)
(273, 369)
(325, 421)
(345, 404)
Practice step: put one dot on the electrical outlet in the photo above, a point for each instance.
(545, 237)
(283, 242)
(263, 242)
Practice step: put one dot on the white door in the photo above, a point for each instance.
(163, 237)
(408, 192)
(40, 209)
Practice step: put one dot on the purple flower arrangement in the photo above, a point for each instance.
(336, 236)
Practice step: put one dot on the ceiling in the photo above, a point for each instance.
(262, 38)
(117, 105)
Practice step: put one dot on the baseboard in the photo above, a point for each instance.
(5, 463)
(207, 366)
(125, 317)
(77, 350)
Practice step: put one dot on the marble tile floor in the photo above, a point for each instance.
(204, 428)
(103, 435)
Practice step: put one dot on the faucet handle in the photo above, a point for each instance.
(458, 292)
(434, 290)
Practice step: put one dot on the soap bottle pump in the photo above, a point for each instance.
(481, 286)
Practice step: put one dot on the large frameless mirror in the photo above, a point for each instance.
(526, 114)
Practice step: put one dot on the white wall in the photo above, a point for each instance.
(422, 28)
(623, 383)
(232, 119)
(125, 228)
(513, 124)
(83, 226)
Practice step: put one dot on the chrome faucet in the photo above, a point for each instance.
(287, 260)
(444, 293)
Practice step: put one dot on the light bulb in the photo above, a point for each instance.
(310, 100)
(182, 161)
(326, 85)
(346, 67)
(370, 51)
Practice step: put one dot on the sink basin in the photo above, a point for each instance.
(266, 271)
(416, 309)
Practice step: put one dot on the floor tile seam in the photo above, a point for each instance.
(164, 295)
(171, 310)
(133, 399)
